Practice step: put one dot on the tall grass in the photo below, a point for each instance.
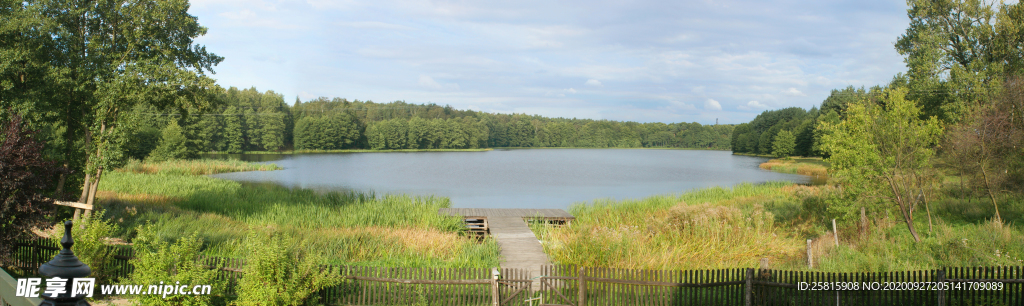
(706, 228)
(194, 167)
(736, 227)
(797, 166)
(347, 227)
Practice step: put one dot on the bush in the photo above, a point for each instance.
(279, 274)
(160, 263)
(24, 178)
(91, 247)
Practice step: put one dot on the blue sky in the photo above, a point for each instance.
(645, 61)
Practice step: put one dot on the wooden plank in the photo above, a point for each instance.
(74, 204)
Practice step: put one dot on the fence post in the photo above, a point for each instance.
(494, 286)
(835, 232)
(810, 260)
(939, 279)
(582, 299)
(748, 295)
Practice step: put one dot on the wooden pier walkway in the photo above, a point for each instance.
(507, 212)
(520, 248)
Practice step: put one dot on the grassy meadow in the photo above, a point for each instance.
(345, 227)
(736, 227)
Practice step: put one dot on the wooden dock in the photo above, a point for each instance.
(520, 248)
(509, 212)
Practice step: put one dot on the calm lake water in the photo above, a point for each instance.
(524, 178)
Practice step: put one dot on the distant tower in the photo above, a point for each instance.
(716, 121)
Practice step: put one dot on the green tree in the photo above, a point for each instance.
(105, 58)
(172, 144)
(273, 130)
(956, 53)
(882, 152)
(234, 134)
(784, 144)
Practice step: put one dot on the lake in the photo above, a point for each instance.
(516, 178)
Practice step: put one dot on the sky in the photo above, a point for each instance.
(643, 61)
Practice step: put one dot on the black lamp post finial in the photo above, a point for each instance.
(66, 266)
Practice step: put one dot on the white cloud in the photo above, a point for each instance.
(570, 90)
(794, 92)
(593, 82)
(711, 104)
(753, 105)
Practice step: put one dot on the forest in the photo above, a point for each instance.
(249, 120)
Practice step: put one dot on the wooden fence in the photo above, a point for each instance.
(570, 285)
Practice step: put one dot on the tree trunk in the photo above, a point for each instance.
(92, 192)
(88, 182)
(910, 225)
(927, 209)
(901, 203)
(990, 195)
(59, 194)
(85, 189)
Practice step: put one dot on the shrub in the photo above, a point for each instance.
(24, 178)
(279, 274)
(91, 245)
(160, 263)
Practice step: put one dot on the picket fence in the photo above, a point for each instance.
(589, 286)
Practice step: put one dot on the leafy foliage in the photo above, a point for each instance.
(91, 245)
(25, 180)
(160, 263)
(784, 144)
(882, 152)
(172, 144)
(278, 274)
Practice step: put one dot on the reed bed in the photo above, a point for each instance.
(802, 167)
(347, 227)
(701, 229)
(194, 167)
(736, 227)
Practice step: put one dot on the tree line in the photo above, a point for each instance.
(250, 120)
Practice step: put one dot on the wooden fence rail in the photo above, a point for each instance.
(576, 286)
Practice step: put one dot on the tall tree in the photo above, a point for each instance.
(882, 151)
(784, 144)
(234, 135)
(102, 58)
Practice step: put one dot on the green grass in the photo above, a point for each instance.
(735, 227)
(346, 227)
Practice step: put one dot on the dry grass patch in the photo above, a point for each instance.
(792, 166)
